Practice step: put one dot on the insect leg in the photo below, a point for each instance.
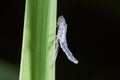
(56, 53)
(57, 49)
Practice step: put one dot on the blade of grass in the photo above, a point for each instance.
(39, 24)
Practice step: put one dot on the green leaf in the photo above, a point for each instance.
(38, 47)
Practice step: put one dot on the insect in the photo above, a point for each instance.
(61, 40)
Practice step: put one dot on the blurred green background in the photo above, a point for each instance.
(8, 71)
(93, 37)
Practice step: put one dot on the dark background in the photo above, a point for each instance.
(93, 37)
